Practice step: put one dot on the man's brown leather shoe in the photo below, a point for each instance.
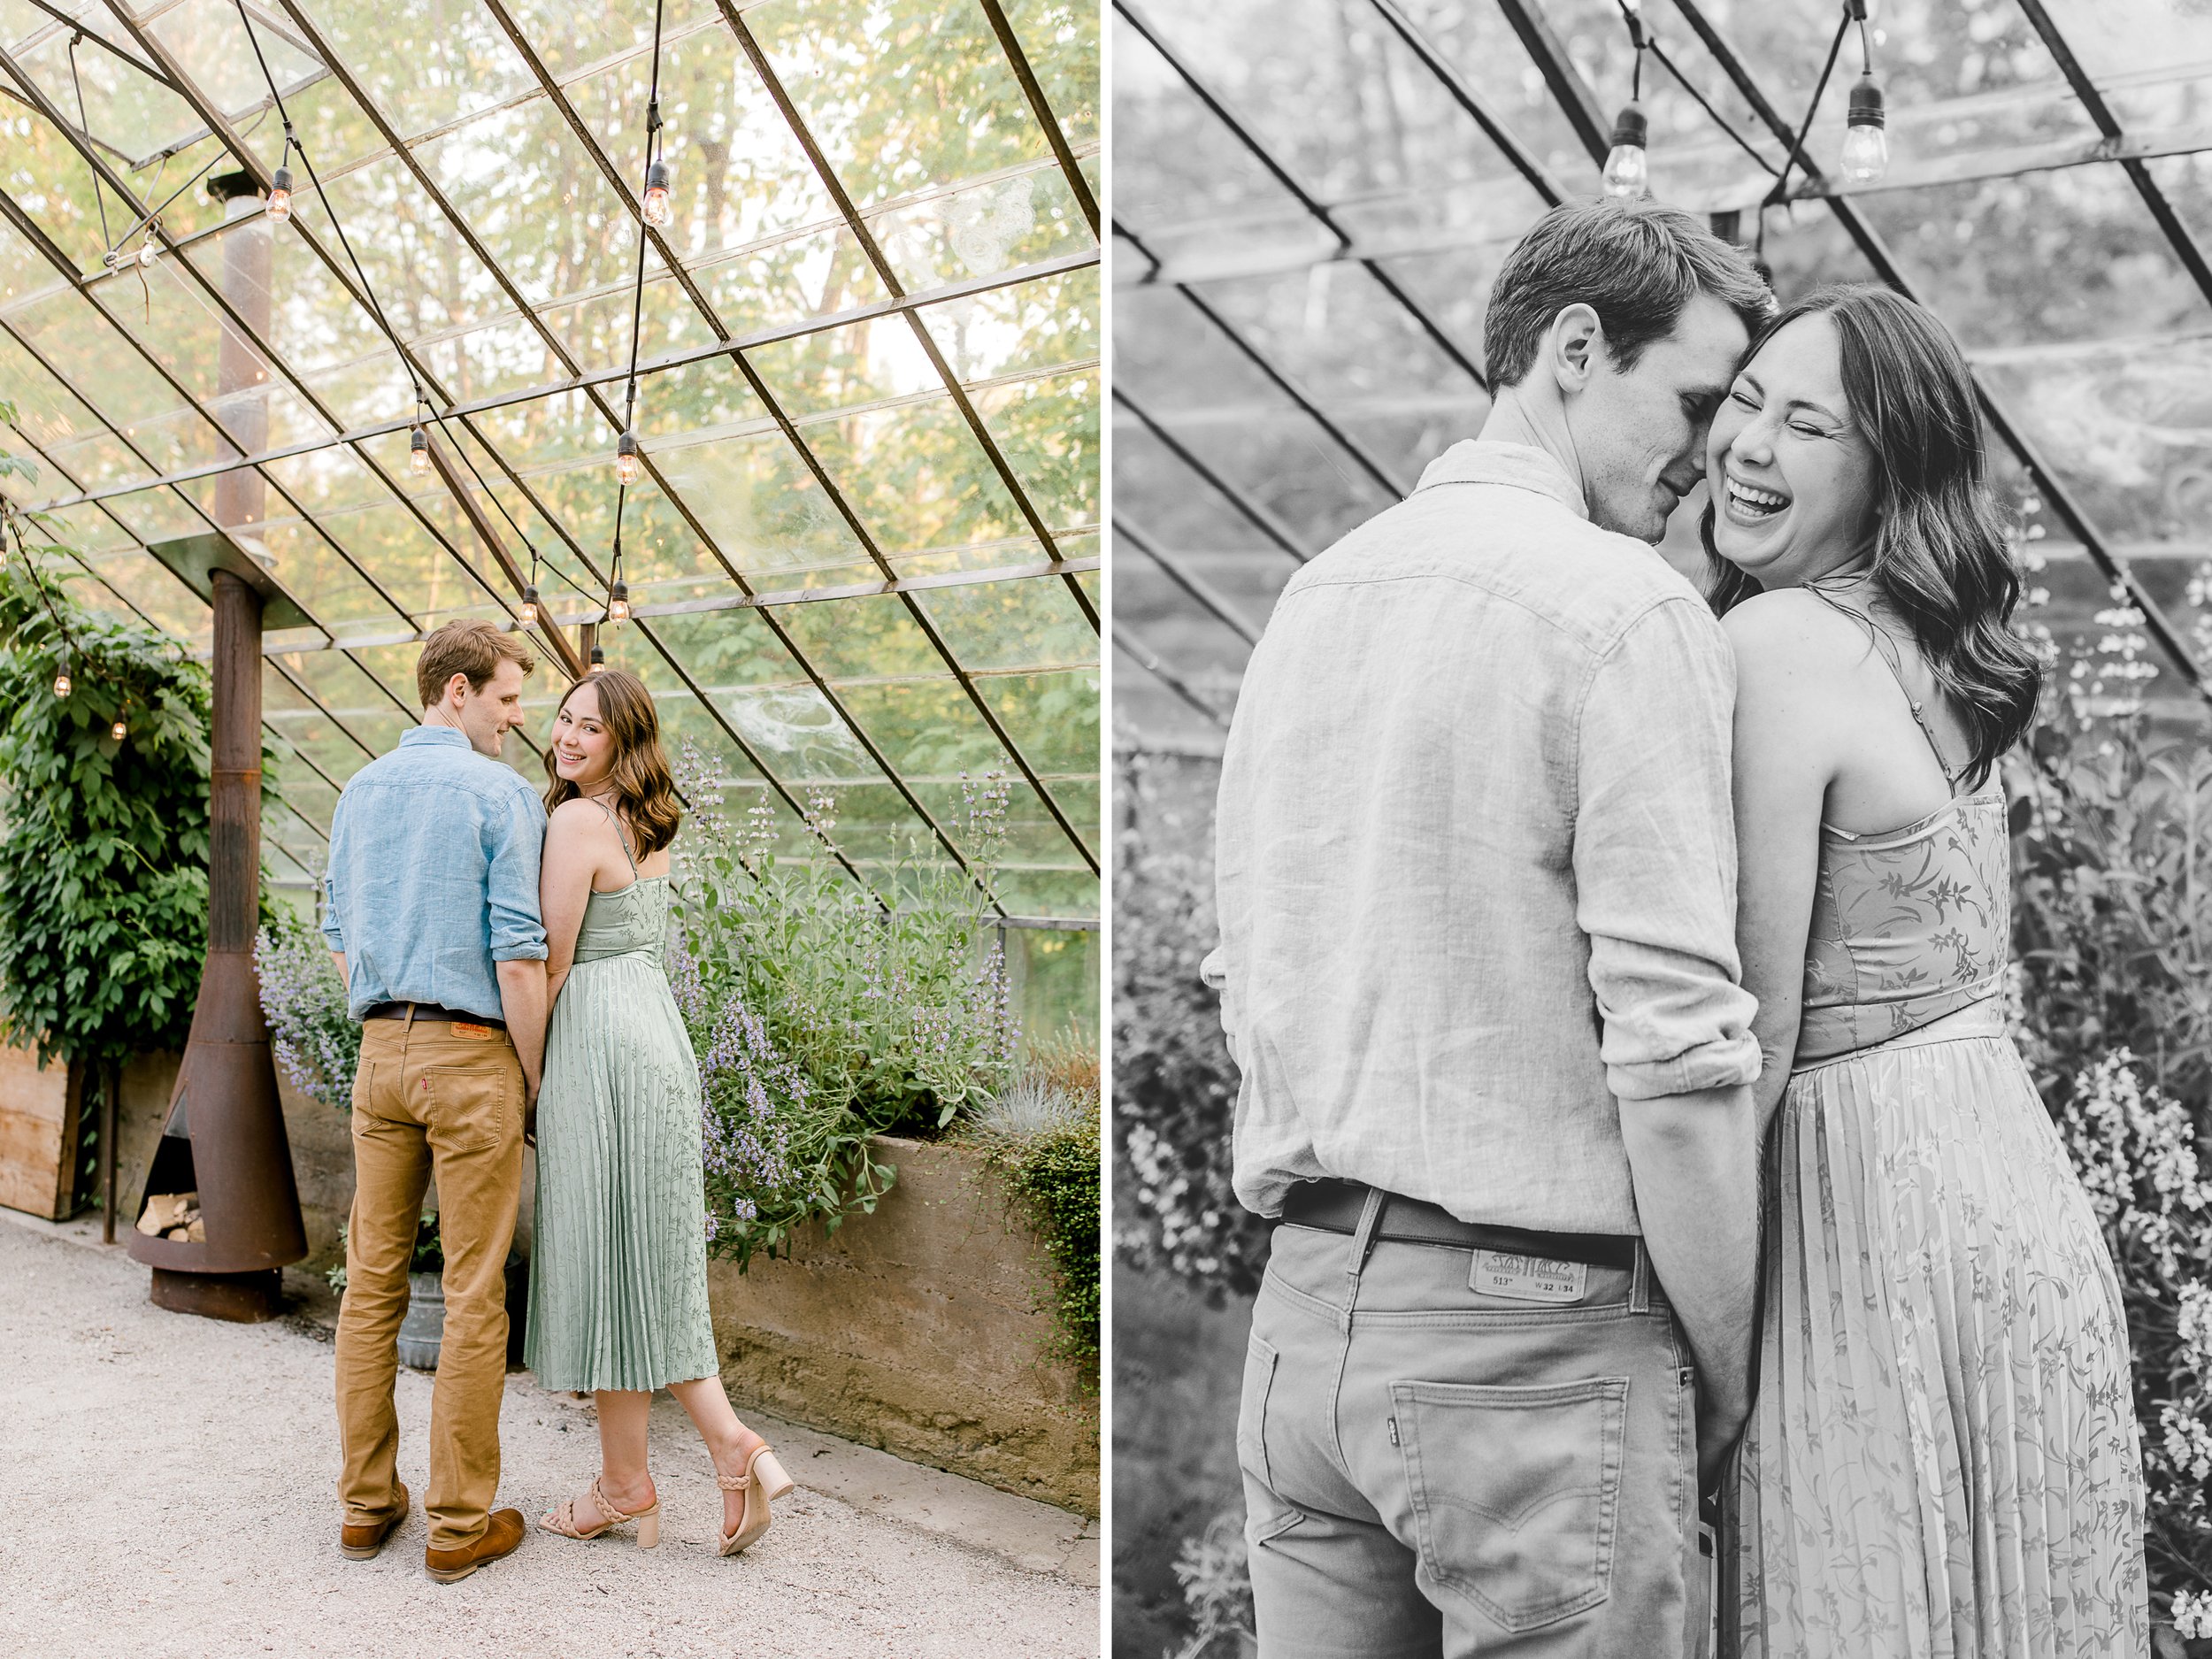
(502, 1533)
(363, 1543)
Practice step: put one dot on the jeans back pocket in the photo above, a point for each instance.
(1259, 1378)
(1515, 1491)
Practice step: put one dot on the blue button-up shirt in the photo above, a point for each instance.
(434, 876)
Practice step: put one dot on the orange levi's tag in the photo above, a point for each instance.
(463, 1028)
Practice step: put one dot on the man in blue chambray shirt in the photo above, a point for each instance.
(432, 914)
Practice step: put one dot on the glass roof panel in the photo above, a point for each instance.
(919, 111)
(899, 94)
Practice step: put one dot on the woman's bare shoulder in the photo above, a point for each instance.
(577, 821)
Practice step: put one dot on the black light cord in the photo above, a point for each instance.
(637, 298)
(1797, 147)
(376, 309)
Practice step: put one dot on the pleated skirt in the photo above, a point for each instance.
(618, 1259)
(1943, 1456)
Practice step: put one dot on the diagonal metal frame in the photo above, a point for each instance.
(1282, 175)
(493, 449)
(677, 269)
(247, 332)
(1367, 461)
(1189, 580)
(2177, 235)
(1273, 528)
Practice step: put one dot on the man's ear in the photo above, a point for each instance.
(452, 680)
(1574, 346)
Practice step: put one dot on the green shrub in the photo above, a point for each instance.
(1042, 1137)
(820, 1019)
(314, 1038)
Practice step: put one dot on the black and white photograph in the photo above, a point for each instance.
(1660, 1052)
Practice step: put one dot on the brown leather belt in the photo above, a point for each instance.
(1335, 1206)
(431, 1010)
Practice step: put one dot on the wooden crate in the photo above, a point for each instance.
(38, 1133)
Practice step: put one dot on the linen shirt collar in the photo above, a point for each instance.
(1518, 466)
(435, 734)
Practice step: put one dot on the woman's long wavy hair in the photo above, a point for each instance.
(644, 789)
(1940, 559)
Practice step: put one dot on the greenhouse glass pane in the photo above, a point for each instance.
(2128, 424)
(2042, 258)
(570, 35)
(1024, 217)
(423, 64)
(1028, 623)
(1047, 324)
(917, 477)
(1060, 40)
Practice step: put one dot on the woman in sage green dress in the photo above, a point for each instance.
(619, 1269)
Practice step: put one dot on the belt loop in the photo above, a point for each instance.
(1362, 1245)
(1639, 1281)
(408, 1024)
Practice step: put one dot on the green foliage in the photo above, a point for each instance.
(1042, 1137)
(821, 1020)
(316, 1040)
(1175, 1087)
(2113, 933)
(428, 1256)
(103, 918)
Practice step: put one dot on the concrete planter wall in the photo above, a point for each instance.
(924, 1329)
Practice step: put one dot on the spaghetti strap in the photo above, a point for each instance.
(624, 840)
(1885, 649)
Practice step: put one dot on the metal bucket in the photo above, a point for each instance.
(423, 1331)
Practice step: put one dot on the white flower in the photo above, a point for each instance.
(2192, 1615)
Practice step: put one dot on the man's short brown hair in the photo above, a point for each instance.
(474, 648)
(1635, 264)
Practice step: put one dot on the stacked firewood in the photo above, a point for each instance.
(174, 1216)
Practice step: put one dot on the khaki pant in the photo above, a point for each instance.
(1433, 1472)
(427, 1098)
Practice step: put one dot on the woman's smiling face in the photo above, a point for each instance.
(1791, 475)
(582, 750)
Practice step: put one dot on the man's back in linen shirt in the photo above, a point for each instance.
(1476, 858)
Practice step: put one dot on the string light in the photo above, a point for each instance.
(598, 660)
(627, 465)
(656, 207)
(1627, 167)
(280, 203)
(119, 730)
(62, 683)
(1627, 174)
(1865, 140)
(419, 452)
(619, 601)
(527, 612)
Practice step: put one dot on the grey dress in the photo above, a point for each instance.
(619, 1266)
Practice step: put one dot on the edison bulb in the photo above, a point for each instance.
(618, 603)
(656, 206)
(419, 453)
(1865, 153)
(627, 466)
(527, 612)
(118, 730)
(280, 207)
(1627, 166)
(61, 684)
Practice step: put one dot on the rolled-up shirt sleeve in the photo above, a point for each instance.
(333, 930)
(515, 840)
(1654, 858)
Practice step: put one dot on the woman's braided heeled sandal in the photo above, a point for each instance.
(764, 1478)
(563, 1520)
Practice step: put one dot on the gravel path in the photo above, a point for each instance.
(169, 1488)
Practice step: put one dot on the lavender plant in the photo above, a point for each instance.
(822, 1019)
(315, 1039)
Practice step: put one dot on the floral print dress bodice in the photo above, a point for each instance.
(1907, 925)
